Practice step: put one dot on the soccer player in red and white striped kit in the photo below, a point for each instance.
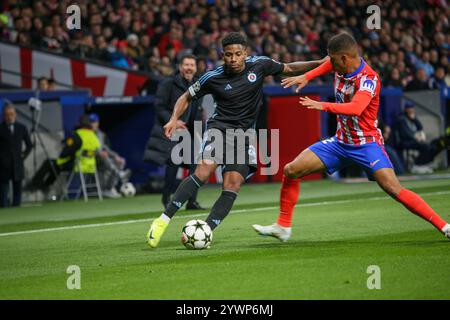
(357, 140)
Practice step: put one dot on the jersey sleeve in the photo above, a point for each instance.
(355, 107)
(200, 87)
(321, 70)
(271, 67)
(368, 84)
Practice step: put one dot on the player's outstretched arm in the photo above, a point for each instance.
(354, 108)
(179, 108)
(302, 80)
(300, 67)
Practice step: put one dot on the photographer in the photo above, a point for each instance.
(72, 146)
(13, 136)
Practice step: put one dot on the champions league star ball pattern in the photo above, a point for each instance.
(128, 189)
(196, 235)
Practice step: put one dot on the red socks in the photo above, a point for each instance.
(290, 189)
(418, 206)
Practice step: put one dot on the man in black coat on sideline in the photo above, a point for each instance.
(13, 136)
(410, 135)
(159, 148)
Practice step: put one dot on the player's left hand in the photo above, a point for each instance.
(311, 104)
(300, 81)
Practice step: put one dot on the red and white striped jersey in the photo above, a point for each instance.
(358, 130)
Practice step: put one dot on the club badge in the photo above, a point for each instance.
(251, 77)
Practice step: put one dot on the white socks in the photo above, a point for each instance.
(165, 218)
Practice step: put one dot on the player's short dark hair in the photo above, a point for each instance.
(342, 42)
(234, 38)
(187, 56)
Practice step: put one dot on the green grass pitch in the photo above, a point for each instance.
(339, 231)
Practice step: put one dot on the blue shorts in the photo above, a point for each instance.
(336, 155)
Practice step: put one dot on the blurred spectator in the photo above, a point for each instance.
(111, 165)
(13, 138)
(147, 49)
(51, 85)
(134, 49)
(100, 51)
(87, 46)
(419, 82)
(172, 38)
(23, 39)
(120, 59)
(425, 64)
(36, 31)
(153, 67)
(49, 41)
(438, 79)
(189, 39)
(42, 84)
(414, 35)
(202, 48)
(394, 79)
(201, 66)
(412, 137)
(389, 146)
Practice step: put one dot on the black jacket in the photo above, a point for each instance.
(405, 130)
(159, 147)
(12, 153)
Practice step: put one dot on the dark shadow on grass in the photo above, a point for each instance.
(376, 242)
(295, 243)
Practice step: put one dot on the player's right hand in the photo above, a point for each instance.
(170, 128)
(300, 81)
(173, 125)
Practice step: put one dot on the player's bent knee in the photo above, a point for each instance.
(232, 185)
(203, 173)
(289, 171)
(292, 172)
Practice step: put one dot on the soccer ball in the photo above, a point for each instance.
(128, 190)
(196, 235)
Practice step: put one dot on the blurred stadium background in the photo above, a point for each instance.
(112, 67)
(113, 64)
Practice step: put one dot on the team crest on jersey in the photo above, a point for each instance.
(251, 77)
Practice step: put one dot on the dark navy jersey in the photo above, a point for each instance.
(238, 96)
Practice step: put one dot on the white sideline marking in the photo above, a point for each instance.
(94, 225)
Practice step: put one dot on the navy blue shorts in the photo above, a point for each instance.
(336, 155)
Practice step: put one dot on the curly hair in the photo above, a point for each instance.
(234, 38)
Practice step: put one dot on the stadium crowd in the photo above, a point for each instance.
(411, 49)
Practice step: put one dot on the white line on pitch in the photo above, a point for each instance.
(313, 204)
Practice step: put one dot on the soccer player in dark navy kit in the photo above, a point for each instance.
(237, 90)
